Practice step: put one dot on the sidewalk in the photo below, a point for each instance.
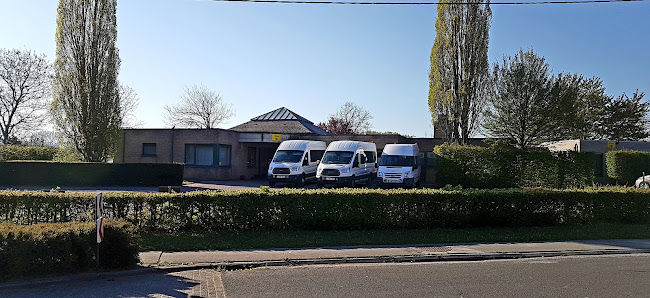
(176, 261)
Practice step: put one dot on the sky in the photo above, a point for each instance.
(313, 58)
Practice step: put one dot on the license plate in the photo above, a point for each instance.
(280, 177)
(329, 178)
(392, 181)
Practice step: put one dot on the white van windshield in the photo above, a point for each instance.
(337, 157)
(288, 156)
(396, 160)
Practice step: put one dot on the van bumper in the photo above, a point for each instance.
(287, 179)
(339, 181)
(406, 182)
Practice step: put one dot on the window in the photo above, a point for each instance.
(364, 159)
(224, 155)
(372, 157)
(252, 157)
(148, 149)
(316, 155)
(207, 155)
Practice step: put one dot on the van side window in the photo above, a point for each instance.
(364, 159)
(316, 155)
(372, 157)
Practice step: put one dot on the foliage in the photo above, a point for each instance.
(128, 105)
(25, 87)
(59, 248)
(200, 107)
(348, 119)
(525, 108)
(482, 167)
(53, 174)
(16, 152)
(459, 74)
(626, 118)
(624, 167)
(343, 209)
(86, 105)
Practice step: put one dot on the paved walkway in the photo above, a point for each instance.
(424, 253)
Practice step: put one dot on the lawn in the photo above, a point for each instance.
(297, 239)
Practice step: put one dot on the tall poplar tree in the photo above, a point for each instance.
(86, 105)
(459, 72)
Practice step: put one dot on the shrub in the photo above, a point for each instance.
(52, 174)
(482, 167)
(346, 209)
(17, 152)
(624, 167)
(43, 249)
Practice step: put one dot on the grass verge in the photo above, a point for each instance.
(298, 239)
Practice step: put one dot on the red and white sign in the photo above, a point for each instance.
(100, 230)
(100, 205)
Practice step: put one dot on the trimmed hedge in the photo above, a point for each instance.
(43, 249)
(17, 152)
(483, 167)
(358, 209)
(52, 174)
(624, 167)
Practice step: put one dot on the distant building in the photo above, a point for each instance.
(242, 152)
(599, 147)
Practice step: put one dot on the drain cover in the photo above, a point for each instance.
(435, 248)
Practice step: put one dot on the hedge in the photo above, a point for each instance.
(17, 152)
(358, 209)
(624, 167)
(53, 174)
(43, 249)
(490, 167)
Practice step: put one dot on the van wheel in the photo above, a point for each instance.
(302, 181)
(417, 184)
(271, 183)
(353, 182)
(319, 184)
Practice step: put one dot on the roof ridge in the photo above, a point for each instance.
(281, 113)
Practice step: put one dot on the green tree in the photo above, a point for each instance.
(626, 118)
(526, 101)
(86, 105)
(459, 71)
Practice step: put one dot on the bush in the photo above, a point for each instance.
(17, 152)
(43, 249)
(482, 167)
(52, 174)
(624, 167)
(358, 209)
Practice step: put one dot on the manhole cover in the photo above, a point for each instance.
(435, 248)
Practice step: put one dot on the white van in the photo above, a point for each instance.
(348, 163)
(399, 166)
(296, 161)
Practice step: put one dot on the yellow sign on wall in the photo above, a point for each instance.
(611, 145)
(276, 137)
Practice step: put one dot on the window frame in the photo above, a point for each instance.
(155, 147)
(216, 151)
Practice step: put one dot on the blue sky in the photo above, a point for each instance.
(313, 58)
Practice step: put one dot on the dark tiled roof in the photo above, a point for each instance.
(281, 120)
(280, 114)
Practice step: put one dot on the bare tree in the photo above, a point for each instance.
(200, 107)
(128, 105)
(25, 90)
(348, 119)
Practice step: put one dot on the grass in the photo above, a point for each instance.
(297, 239)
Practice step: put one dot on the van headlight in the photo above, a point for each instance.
(380, 174)
(294, 168)
(344, 170)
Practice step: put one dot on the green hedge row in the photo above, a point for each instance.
(624, 167)
(490, 167)
(53, 174)
(358, 209)
(43, 249)
(17, 152)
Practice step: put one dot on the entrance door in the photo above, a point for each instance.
(266, 154)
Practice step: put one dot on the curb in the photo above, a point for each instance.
(421, 258)
(75, 278)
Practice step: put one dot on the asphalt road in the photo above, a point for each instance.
(587, 276)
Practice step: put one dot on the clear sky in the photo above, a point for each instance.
(313, 58)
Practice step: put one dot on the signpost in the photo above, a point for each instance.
(99, 210)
